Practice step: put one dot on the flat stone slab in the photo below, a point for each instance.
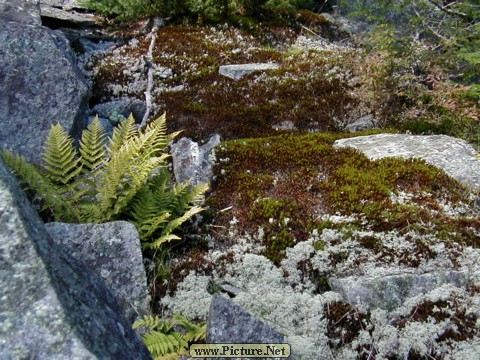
(390, 292)
(69, 15)
(455, 156)
(240, 70)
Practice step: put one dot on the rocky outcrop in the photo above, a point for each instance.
(52, 306)
(40, 85)
(193, 162)
(455, 156)
(237, 72)
(112, 251)
(229, 323)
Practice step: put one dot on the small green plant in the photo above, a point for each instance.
(164, 341)
(126, 179)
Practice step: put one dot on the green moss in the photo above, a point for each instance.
(301, 178)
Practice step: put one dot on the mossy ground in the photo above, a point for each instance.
(275, 188)
(289, 185)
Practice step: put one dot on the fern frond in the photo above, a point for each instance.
(92, 147)
(178, 221)
(60, 157)
(187, 194)
(148, 321)
(144, 205)
(167, 232)
(147, 227)
(45, 189)
(126, 131)
(160, 344)
(171, 356)
(193, 332)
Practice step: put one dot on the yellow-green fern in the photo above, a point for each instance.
(163, 341)
(124, 179)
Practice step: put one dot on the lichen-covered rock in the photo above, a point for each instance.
(21, 11)
(52, 306)
(39, 86)
(192, 162)
(229, 323)
(390, 292)
(455, 156)
(238, 71)
(112, 251)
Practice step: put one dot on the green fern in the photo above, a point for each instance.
(124, 179)
(176, 202)
(60, 157)
(163, 341)
(52, 198)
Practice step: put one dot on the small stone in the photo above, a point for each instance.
(193, 162)
(362, 123)
(237, 72)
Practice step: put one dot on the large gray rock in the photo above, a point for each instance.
(40, 85)
(455, 156)
(21, 11)
(52, 307)
(112, 251)
(230, 323)
(192, 162)
(240, 70)
(389, 292)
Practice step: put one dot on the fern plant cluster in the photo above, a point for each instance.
(124, 177)
(168, 340)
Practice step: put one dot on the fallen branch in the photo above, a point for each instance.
(157, 22)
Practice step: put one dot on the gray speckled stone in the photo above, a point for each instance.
(238, 71)
(40, 85)
(455, 156)
(21, 11)
(390, 292)
(230, 323)
(52, 307)
(112, 251)
(192, 162)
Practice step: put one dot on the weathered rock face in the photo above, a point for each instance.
(65, 11)
(390, 292)
(22, 11)
(112, 251)
(229, 323)
(39, 86)
(455, 156)
(52, 306)
(191, 162)
(238, 71)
